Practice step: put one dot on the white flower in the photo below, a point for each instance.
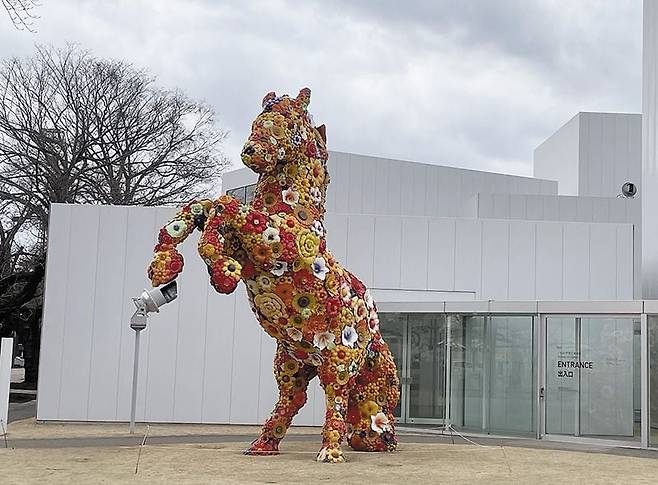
(271, 235)
(319, 267)
(317, 228)
(316, 195)
(380, 423)
(349, 336)
(290, 197)
(294, 333)
(373, 323)
(345, 292)
(323, 339)
(370, 303)
(279, 268)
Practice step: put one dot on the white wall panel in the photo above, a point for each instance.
(495, 257)
(246, 364)
(218, 350)
(110, 296)
(575, 270)
(361, 238)
(54, 312)
(549, 251)
(192, 321)
(468, 247)
(413, 264)
(79, 304)
(625, 274)
(521, 260)
(441, 254)
(603, 252)
(387, 252)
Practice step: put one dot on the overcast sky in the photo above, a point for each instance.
(471, 83)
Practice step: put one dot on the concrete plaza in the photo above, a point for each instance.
(106, 453)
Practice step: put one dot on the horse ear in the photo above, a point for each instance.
(268, 98)
(304, 97)
(323, 132)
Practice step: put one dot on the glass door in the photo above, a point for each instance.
(493, 384)
(418, 344)
(426, 334)
(591, 379)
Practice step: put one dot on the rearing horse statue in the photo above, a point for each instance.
(323, 318)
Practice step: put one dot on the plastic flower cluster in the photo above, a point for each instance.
(322, 316)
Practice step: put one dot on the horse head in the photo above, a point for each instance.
(283, 133)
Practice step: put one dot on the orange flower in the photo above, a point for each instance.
(262, 253)
(317, 324)
(285, 292)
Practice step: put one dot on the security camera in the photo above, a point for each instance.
(629, 190)
(150, 301)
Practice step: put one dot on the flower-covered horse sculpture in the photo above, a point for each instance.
(322, 316)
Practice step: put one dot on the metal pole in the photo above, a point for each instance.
(133, 404)
(645, 429)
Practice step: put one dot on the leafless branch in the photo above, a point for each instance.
(21, 13)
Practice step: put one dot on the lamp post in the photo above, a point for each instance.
(149, 301)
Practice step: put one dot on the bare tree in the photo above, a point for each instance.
(76, 129)
(21, 13)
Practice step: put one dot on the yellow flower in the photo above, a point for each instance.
(308, 245)
(232, 268)
(270, 305)
(331, 284)
(290, 367)
(369, 408)
(303, 301)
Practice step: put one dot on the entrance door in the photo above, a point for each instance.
(591, 379)
(418, 344)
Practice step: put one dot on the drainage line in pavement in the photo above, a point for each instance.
(139, 453)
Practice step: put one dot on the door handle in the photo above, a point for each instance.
(541, 393)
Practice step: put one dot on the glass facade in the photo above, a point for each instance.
(522, 375)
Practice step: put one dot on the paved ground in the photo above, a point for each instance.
(106, 453)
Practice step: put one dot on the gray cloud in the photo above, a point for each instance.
(476, 84)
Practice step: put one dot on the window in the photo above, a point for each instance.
(243, 194)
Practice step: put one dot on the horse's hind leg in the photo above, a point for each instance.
(292, 378)
(372, 400)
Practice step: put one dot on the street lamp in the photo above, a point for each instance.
(148, 302)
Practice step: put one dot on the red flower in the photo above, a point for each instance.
(283, 207)
(175, 265)
(311, 149)
(289, 252)
(299, 399)
(248, 270)
(332, 306)
(223, 283)
(256, 222)
(303, 279)
(357, 285)
(300, 354)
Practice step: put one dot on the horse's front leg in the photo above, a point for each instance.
(335, 380)
(167, 262)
